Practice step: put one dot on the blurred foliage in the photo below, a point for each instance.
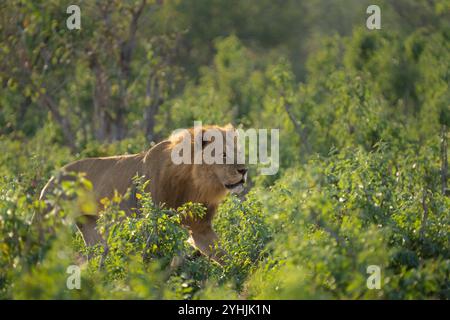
(363, 118)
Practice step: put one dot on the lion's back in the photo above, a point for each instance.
(105, 173)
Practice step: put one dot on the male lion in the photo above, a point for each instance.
(170, 185)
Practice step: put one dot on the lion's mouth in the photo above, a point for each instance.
(235, 185)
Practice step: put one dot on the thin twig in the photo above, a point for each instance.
(425, 215)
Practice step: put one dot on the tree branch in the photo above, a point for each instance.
(301, 132)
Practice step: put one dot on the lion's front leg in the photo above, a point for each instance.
(206, 240)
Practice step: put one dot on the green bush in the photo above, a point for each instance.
(363, 117)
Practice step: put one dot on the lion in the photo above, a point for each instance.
(170, 185)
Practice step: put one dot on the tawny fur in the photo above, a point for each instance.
(170, 185)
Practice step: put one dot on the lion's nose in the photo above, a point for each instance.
(242, 171)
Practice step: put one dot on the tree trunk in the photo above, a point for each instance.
(64, 123)
(444, 160)
(153, 93)
(101, 98)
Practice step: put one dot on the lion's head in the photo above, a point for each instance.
(214, 155)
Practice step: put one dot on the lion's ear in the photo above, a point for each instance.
(179, 134)
(229, 126)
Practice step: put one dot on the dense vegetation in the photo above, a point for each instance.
(363, 118)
